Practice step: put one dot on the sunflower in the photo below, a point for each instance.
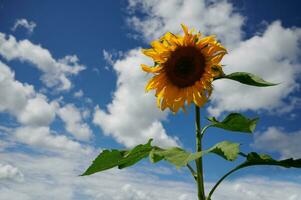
(184, 68)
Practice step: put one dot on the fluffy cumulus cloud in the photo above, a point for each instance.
(273, 56)
(56, 73)
(210, 18)
(37, 112)
(28, 25)
(132, 117)
(275, 139)
(74, 124)
(34, 113)
(21, 100)
(13, 95)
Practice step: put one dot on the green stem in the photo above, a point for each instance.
(199, 162)
(221, 179)
(193, 173)
(204, 129)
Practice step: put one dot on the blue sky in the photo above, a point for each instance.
(71, 85)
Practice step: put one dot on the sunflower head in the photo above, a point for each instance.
(184, 69)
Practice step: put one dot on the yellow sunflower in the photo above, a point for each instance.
(185, 67)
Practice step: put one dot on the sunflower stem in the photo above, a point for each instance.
(199, 162)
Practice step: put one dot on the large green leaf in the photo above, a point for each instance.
(136, 154)
(235, 122)
(263, 159)
(248, 79)
(179, 157)
(121, 158)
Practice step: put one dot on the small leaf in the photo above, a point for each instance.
(121, 158)
(248, 79)
(180, 158)
(235, 122)
(227, 150)
(174, 155)
(263, 159)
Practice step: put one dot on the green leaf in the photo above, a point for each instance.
(263, 159)
(248, 79)
(179, 157)
(135, 155)
(227, 150)
(175, 155)
(121, 158)
(235, 122)
(155, 154)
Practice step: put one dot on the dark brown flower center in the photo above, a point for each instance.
(185, 66)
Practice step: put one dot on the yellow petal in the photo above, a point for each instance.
(217, 58)
(164, 104)
(171, 93)
(205, 41)
(158, 46)
(189, 95)
(159, 97)
(173, 40)
(153, 82)
(149, 69)
(178, 104)
(154, 55)
(185, 29)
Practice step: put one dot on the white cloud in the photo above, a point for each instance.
(132, 117)
(86, 113)
(13, 95)
(10, 172)
(28, 25)
(78, 94)
(35, 114)
(108, 57)
(43, 138)
(57, 177)
(273, 56)
(56, 73)
(277, 140)
(210, 18)
(74, 122)
(255, 188)
(22, 101)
